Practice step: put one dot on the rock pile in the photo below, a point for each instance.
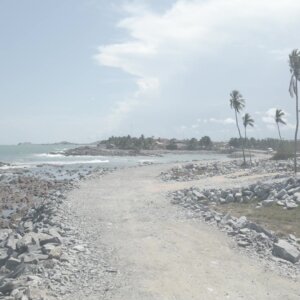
(249, 236)
(285, 194)
(196, 171)
(39, 251)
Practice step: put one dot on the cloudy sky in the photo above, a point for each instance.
(82, 70)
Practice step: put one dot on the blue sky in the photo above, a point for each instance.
(83, 70)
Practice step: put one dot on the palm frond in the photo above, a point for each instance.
(247, 120)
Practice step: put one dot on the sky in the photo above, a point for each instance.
(83, 70)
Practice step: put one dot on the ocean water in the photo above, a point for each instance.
(29, 155)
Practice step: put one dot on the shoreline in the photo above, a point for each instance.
(61, 228)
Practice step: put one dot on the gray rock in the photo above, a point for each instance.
(281, 194)
(291, 205)
(238, 197)
(267, 202)
(286, 251)
(229, 198)
(3, 256)
(12, 263)
(258, 228)
(241, 222)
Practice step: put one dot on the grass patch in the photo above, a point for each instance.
(274, 217)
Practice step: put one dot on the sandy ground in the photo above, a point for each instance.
(152, 250)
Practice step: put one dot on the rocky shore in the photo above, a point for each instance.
(100, 151)
(196, 171)
(39, 245)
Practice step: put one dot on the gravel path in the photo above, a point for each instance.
(142, 247)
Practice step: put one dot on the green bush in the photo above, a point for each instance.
(284, 151)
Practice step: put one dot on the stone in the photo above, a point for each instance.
(229, 198)
(243, 243)
(241, 222)
(258, 228)
(12, 263)
(4, 233)
(238, 197)
(267, 202)
(285, 250)
(199, 195)
(281, 194)
(291, 205)
(28, 239)
(48, 239)
(79, 248)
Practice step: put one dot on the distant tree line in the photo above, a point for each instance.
(130, 143)
(150, 143)
(261, 144)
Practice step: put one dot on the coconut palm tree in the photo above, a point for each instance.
(294, 63)
(237, 103)
(247, 121)
(279, 114)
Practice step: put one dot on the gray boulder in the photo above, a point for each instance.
(285, 250)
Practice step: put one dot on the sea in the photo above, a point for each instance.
(33, 155)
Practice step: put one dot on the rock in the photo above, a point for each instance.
(229, 198)
(8, 287)
(28, 226)
(241, 222)
(3, 256)
(52, 250)
(28, 239)
(291, 204)
(48, 239)
(285, 250)
(79, 248)
(4, 233)
(29, 258)
(243, 243)
(258, 228)
(267, 202)
(238, 197)
(281, 194)
(199, 195)
(11, 242)
(12, 263)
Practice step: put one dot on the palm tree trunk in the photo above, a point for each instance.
(279, 131)
(297, 125)
(248, 145)
(237, 125)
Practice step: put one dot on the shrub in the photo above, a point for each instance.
(284, 151)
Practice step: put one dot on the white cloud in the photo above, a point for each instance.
(222, 121)
(160, 45)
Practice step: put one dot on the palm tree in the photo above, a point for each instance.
(247, 121)
(238, 103)
(294, 62)
(279, 114)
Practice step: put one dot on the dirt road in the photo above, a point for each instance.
(152, 250)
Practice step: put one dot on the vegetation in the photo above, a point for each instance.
(270, 217)
(130, 143)
(279, 114)
(284, 151)
(151, 143)
(237, 103)
(294, 62)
